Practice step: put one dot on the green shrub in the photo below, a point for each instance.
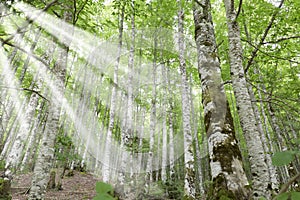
(281, 159)
(104, 191)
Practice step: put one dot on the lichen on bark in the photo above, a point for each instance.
(228, 176)
(229, 149)
(259, 170)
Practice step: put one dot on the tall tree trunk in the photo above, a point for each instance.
(198, 175)
(267, 148)
(15, 154)
(14, 115)
(105, 170)
(46, 152)
(227, 171)
(32, 139)
(265, 136)
(149, 168)
(280, 141)
(129, 124)
(6, 177)
(171, 128)
(127, 136)
(164, 126)
(259, 170)
(189, 182)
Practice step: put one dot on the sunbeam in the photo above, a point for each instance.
(90, 66)
(82, 126)
(12, 86)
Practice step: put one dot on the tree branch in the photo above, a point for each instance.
(227, 82)
(203, 6)
(27, 89)
(75, 10)
(270, 94)
(281, 104)
(282, 39)
(218, 45)
(28, 53)
(267, 54)
(286, 186)
(79, 11)
(254, 52)
(29, 21)
(239, 10)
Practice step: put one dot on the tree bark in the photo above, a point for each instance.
(267, 148)
(171, 128)
(15, 155)
(259, 170)
(46, 152)
(33, 134)
(189, 180)
(228, 176)
(105, 170)
(164, 126)
(149, 169)
(127, 135)
(198, 162)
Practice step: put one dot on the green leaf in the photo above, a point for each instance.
(103, 188)
(295, 195)
(103, 197)
(2, 31)
(283, 196)
(262, 198)
(282, 158)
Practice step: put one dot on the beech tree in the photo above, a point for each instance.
(258, 165)
(44, 160)
(225, 156)
(114, 96)
(189, 182)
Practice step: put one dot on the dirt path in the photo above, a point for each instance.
(80, 186)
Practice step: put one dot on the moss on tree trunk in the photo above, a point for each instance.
(51, 182)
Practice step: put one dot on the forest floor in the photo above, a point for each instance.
(79, 186)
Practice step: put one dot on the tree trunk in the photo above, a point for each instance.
(164, 127)
(259, 170)
(228, 176)
(33, 133)
(46, 152)
(171, 128)
(105, 170)
(149, 168)
(127, 135)
(189, 182)
(267, 148)
(198, 162)
(15, 155)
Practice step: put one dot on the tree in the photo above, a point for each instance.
(44, 160)
(258, 166)
(14, 157)
(189, 182)
(105, 169)
(228, 176)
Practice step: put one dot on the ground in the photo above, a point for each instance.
(80, 186)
